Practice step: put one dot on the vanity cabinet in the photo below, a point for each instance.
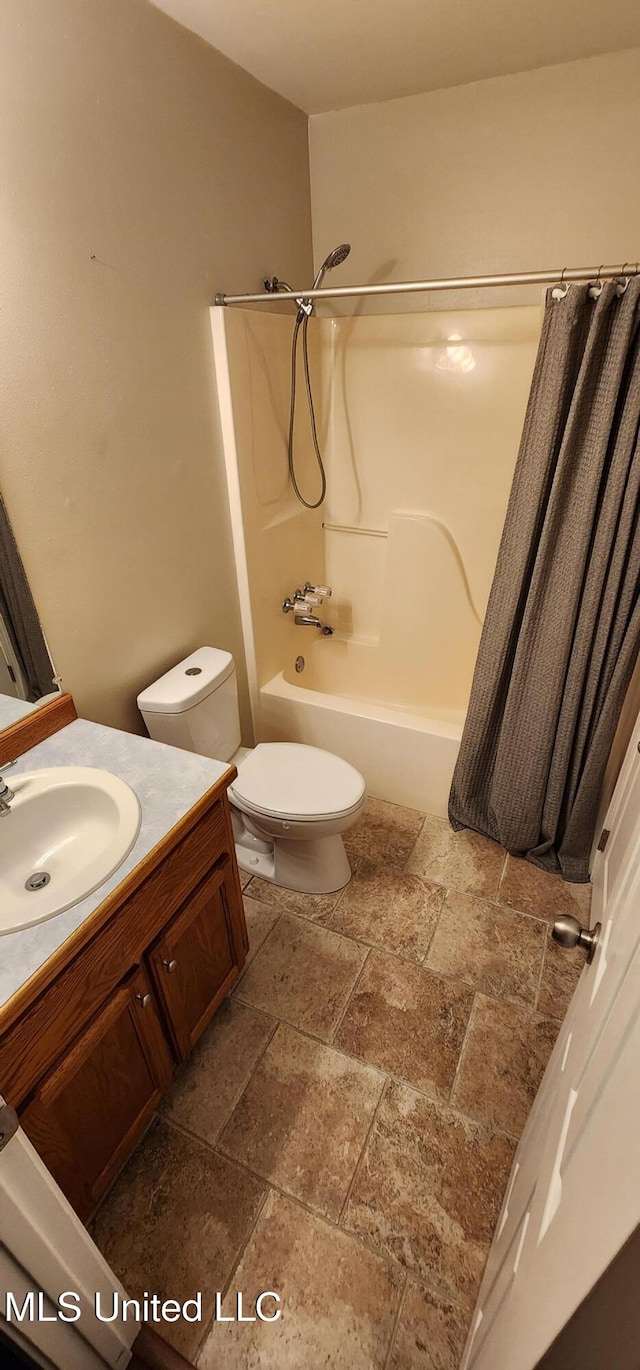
(88, 1047)
(194, 962)
(92, 1106)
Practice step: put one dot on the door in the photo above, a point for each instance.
(195, 961)
(12, 681)
(91, 1108)
(45, 1248)
(574, 1194)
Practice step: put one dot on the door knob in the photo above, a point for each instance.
(170, 966)
(569, 933)
(144, 1000)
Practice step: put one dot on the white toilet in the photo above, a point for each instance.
(289, 804)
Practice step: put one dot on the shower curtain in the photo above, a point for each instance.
(562, 630)
(20, 614)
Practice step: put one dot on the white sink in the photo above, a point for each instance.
(72, 824)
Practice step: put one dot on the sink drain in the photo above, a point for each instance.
(37, 881)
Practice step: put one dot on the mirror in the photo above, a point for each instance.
(27, 673)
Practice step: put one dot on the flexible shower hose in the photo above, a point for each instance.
(303, 319)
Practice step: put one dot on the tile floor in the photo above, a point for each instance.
(344, 1131)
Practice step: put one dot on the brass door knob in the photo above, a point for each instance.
(144, 1000)
(569, 933)
(170, 966)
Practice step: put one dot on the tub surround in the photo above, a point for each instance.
(168, 783)
(419, 419)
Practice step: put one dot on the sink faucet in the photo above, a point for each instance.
(6, 795)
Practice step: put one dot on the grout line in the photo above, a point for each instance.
(243, 1245)
(381, 1070)
(464, 1043)
(503, 871)
(363, 1148)
(343, 1012)
(536, 998)
(304, 1031)
(436, 925)
(236, 1261)
(238, 1257)
(355, 1238)
(257, 1062)
(396, 1324)
(248, 963)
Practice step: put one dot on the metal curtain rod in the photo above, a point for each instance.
(557, 276)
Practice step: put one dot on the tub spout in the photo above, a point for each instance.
(308, 621)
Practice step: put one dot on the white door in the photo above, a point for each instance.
(11, 679)
(574, 1194)
(45, 1250)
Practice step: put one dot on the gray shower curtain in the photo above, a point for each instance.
(20, 614)
(562, 630)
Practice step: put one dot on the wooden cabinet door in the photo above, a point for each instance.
(91, 1108)
(196, 960)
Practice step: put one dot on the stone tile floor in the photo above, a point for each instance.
(344, 1131)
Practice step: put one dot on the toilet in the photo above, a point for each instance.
(290, 803)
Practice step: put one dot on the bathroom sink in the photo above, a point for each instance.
(68, 830)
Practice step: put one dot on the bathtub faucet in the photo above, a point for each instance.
(310, 621)
(297, 607)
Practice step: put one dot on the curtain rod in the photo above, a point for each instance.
(558, 276)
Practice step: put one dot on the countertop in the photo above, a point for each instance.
(167, 781)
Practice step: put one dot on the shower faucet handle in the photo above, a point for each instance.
(323, 590)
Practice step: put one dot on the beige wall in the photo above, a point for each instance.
(518, 173)
(141, 171)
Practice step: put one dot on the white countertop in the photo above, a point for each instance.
(167, 781)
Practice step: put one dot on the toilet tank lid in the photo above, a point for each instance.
(188, 682)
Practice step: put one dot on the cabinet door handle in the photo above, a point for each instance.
(144, 1000)
(170, 966)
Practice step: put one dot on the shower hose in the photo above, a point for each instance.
(303, 320)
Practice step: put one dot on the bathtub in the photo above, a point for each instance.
(406, 751)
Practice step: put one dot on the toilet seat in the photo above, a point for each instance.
(289, 780)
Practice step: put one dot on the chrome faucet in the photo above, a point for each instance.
(303, 600)
(310, 621)
(6, 795)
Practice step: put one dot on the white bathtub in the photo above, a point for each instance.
(405, 751)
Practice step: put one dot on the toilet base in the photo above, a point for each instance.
(318, 866)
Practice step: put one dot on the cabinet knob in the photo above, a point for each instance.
(144, 1000)
(170, 966)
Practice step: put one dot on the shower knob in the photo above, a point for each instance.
(323, 590)
(569, 933)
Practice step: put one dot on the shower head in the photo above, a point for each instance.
(335, 258)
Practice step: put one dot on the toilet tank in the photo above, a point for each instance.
(195, 705)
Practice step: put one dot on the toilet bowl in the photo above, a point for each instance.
(290, 803)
